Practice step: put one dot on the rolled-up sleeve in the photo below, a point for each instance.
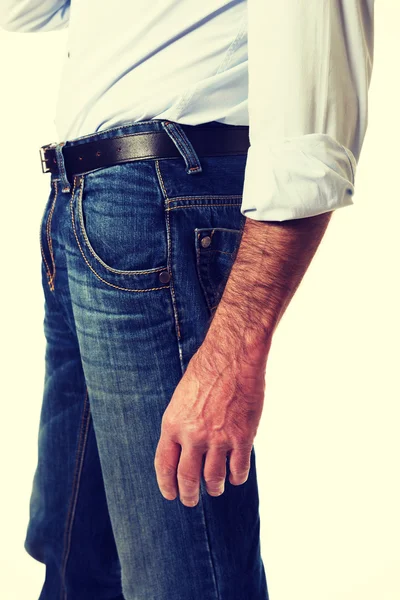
(29, 16)
(310, 66)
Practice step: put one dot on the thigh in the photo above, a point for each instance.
(69, 529)
(143, 286)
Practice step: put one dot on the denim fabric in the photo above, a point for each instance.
(134, 261)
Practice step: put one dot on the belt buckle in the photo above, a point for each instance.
(43, 159)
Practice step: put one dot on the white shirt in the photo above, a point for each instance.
(296, 71)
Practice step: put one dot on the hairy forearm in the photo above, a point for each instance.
(270, 263)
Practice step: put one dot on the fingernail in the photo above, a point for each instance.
(190, 501)
(168, 496)
(217, 492)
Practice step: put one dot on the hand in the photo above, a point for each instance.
(215, 411)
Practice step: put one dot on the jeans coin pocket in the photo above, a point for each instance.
(216, 249)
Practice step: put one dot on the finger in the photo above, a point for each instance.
(189, 473)
(215, 471)
(239, 464)
(166, 463)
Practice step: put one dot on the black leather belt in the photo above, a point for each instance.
(87, 156)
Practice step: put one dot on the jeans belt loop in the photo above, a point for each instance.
(184, 145)
(61, 167)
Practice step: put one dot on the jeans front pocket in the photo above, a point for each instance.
(118, 222)
(216, 249)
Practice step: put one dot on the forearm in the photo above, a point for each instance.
(271, 261)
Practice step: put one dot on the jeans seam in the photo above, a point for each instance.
(177, 328)
(80, 454)
(198, 270)
(197, 205)
(205, 197)
(51, 275)
(41, 245)
(169, 251)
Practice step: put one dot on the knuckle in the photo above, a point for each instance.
(240, 468)
(169, 421)
(242, 441)
(242, 461)
(188, 481)
(196, 437)
(165, 470)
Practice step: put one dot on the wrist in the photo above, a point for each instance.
(229, 337)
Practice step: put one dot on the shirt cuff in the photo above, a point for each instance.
(296, 178)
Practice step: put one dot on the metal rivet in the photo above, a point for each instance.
(98, 153)
(164, 277)
(80, 157)
(206, 241)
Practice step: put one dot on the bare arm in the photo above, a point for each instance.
(310, 64)
(270, 264)
(217, 406)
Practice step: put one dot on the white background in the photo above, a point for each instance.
(328, 446)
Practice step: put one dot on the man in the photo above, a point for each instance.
(171, 250)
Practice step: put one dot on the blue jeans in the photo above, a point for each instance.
(135, 257)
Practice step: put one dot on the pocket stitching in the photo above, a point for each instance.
(186, 206)
(45, 228)
(207, 253)
(49, 238)
(95, 272)
(200, 278)
(41, 243)
(96, 256)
